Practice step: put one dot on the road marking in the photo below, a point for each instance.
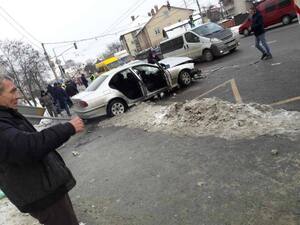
(286, 101)
(234, 89)
(215, 88)
(276, 64)
(236, 92)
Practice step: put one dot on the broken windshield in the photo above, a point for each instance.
(207, 29)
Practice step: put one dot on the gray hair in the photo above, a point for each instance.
(2, 78)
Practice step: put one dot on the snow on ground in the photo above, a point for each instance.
(9, 215)
(211, 117)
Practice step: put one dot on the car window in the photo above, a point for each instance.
(96, 83)
(270, 8)
(152, 77)
(284, 3)
(191, 38)
(172, 45)
(207, 29)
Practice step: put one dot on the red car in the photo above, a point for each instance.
(273, 11)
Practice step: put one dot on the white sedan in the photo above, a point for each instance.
(114, 91)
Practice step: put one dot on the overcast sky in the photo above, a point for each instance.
(68, 20)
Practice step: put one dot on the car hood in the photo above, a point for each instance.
(175, 61)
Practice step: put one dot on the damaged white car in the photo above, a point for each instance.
(116, 90)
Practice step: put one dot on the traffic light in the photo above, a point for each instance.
(75, 45)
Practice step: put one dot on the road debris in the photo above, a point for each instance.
(274, 152)
(75, 153)
(211, 117)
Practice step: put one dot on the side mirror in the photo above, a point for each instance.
(164, 66)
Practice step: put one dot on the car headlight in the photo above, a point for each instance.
(215, 40)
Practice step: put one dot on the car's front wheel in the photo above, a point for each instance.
(116, 107)
(246, 32)
(208, 55)
(286, 20)
(184, 78)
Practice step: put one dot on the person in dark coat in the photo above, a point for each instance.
(62, 97)
(259, 32)
(84, 81)
(152, 57)
(71, 89)
(33, 175)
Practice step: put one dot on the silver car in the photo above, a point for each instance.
(116, 90)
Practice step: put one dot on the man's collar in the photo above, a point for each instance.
(6, 112)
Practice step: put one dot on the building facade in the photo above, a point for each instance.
(235, 7)
(152, 32)
(130, 42)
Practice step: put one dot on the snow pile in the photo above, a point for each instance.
(9, 215)
(211, 117)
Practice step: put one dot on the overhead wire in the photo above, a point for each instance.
(17, 29)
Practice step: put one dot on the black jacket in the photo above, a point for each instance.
(71, 90)
(32, 174)
(257, 24)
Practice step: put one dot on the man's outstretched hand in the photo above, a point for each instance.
(77, 124)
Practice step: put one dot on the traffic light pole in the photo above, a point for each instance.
(199, 10)
(50, 63)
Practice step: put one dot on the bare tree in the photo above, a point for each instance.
(26, 66)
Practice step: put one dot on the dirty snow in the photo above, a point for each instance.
(211, 117)
(9, 215)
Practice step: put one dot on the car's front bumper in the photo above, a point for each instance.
(224, 48)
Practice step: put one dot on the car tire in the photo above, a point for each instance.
(116, 107)
(184, 78)
(208, 55)
(246, 32)
(233, 50)
(286, 20)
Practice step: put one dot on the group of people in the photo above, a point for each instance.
(56, 98)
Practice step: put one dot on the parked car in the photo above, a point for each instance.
(273, 12)
(207, 41)
(114, 91)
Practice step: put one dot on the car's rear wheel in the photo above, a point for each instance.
(116, 107)
(184, 78)
(246, 32)
(208, 55)
(286, 20)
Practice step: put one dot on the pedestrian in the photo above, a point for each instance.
(92, 77)
(47, 101)
(33, 175)
(84, 80)
(62, 98)
(259, 32)
(152, 57)
(71, 89)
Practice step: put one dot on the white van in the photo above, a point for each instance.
(207, 41)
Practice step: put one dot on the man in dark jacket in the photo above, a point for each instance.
(259, 32)
(33, 175)
(62, 97)
(84, 80)
(71, 89)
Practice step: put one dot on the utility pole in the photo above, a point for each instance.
(50, 63)
(199, 10)
(185, 3)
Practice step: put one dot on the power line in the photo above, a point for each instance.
(127, 12)
(22, 34)
(19, 24)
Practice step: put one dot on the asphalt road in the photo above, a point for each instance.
(131, 177)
